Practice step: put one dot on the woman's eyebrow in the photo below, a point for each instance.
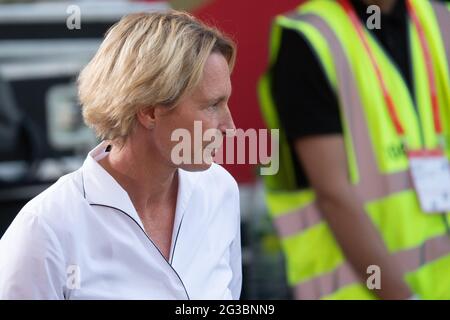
(218, 100)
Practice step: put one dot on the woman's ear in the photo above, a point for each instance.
(146, 117)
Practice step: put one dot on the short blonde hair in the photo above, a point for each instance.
(146, 59)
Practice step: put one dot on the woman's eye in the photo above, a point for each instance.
(213, 107)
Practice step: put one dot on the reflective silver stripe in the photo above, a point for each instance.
(298, 220)
(342, 276)
(443, 18)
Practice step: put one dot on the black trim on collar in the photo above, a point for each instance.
(162, 256)
(176, 238)
(82, 182)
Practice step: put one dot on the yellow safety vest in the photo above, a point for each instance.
(420, 242)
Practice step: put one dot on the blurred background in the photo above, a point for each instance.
(42, 135)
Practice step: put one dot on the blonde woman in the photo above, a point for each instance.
(132, 223)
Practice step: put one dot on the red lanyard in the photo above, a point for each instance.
(429, 65)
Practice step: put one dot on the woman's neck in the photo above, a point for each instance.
(144, 176)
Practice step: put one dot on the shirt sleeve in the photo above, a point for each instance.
(31, 264)
(306, 103)
(236, 255)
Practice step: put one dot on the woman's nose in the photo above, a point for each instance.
(227, 127)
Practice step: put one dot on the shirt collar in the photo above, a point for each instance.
(101, 189)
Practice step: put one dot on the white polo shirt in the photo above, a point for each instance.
(82, 239)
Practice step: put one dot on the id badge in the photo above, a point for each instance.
(430, 173)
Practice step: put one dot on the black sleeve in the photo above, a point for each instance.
(306, 103)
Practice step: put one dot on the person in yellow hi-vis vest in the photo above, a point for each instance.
(360, 90)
